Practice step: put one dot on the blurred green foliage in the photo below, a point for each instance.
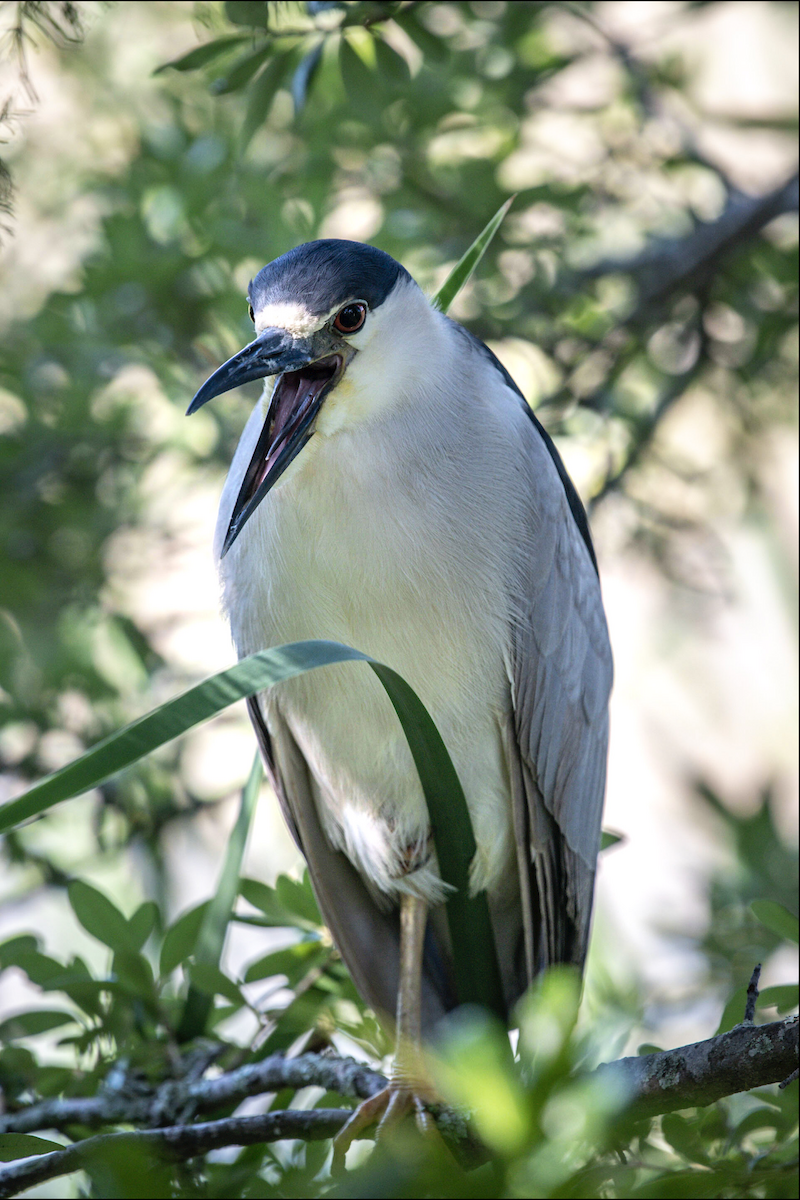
(413, 123)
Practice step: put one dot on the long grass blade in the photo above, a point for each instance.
(465, 266)
(211, 938)
(477, 972)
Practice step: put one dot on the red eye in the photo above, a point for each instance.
(350, 318)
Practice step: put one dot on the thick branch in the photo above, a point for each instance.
(178, 1142)
(748, 1056)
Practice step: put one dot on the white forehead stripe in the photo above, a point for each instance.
(293, 317)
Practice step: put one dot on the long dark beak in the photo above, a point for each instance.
(307, 375)
(273, 352)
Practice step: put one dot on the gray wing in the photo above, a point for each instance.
(560, 672)
(366, 936)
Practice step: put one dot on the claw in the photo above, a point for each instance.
(387, 1109)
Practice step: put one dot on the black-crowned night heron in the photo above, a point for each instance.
(393, 491)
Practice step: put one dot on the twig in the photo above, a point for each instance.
(752, 996)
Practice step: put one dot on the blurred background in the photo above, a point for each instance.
(643, 294)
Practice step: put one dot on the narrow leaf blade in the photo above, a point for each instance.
(465, 266)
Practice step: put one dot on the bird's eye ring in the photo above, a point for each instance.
(252, 314)
(350, 318)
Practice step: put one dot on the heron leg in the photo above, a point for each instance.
(407, 1091)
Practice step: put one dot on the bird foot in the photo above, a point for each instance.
(387, 1109)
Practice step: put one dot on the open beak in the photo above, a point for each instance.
(307, 374)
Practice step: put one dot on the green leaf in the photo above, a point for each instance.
(465, 266)
(209, 980)
(211, 936)
(777, 918)
(135, 975)
(265, 898)
(247, 12)
(180, 938)
(293, 962)
(202, 54)
(242, 71)
(298, 899)
(733, 1013)
(609, 838)
(99, 916)
(40, 968)
(390, 64)
(261, 94)
(682, 1135)
(142, 924)
(23, 943)
(24, 1145)
(37, 1020)
(476, 970)
(784, 997)
(649, 1048)
(360, 83)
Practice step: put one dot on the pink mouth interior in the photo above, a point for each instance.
(295, 393)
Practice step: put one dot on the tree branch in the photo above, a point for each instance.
(178, 1142)
(669, 263)
(179, 1100)
(748, 1056)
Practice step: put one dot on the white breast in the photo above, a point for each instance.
(361, 543)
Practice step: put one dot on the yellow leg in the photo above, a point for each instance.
(406, 1091)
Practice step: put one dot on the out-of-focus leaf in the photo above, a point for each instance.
(180, 938)
(202, 54)
(99, 916)
(465, 266)
(254, 13)
(733, 1013)
(649, 1048)
(135, 975)
(24, 1145)
(434, 49)
(261, 93)
(23, 943)
(212, 982)
(298, 898)
(359, 81)
(242, 71)
(305, 72)
(292, 962)
(142, 923)
(683, 1137)
(28, 1024)
(609, 838)
(777, 918)
(784, 997)
(390, 64)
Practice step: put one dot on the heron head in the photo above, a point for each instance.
(315, 310)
